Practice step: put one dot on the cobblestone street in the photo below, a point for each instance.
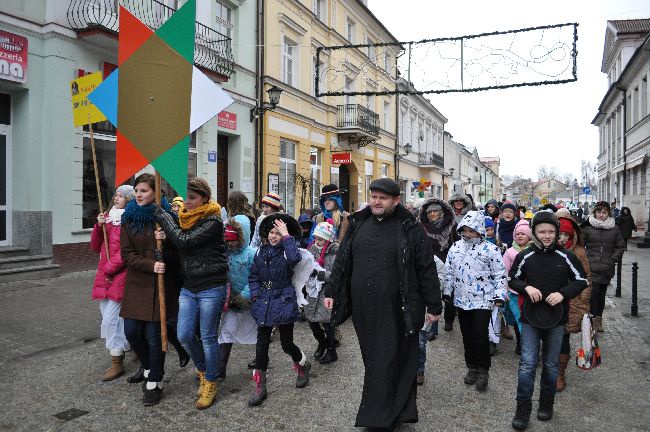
(51, 360)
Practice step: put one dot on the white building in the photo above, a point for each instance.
(622, 118)
(421, 127)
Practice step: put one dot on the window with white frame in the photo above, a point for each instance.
(289, 61)
(387, 60)
(320, 10)
(384, 170)
(287, 175)
(316, 168)
(386, 115)
(370, 100)
(635, 105)
(351, 29)
(223, 19)
(371, 50)
(333, 14)
(348, 88)
(369, 173)
(644, 97)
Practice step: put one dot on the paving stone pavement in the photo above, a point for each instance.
(51, 360)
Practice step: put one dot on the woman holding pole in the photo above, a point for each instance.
(202, 249)
(141, 303)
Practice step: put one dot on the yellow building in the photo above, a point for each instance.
(299, 137)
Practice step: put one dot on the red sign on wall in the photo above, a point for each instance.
(13, 57)
(227, 120)
(341, 158)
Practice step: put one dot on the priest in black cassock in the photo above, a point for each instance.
(384, 276)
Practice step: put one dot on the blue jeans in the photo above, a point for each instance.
(551, 340)
(144, 338)
(201, 310)
(422, 349)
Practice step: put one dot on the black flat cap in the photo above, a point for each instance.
(386, 186)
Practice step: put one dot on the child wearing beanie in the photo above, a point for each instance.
(110, 280)
(489, 230)
(324, 249)
(571, 239)
(506, 225)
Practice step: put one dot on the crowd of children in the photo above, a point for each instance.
(236, 281)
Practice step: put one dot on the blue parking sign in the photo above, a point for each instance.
(586, 190)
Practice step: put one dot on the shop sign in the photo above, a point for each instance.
(341, 158)
(13, 57)
(274, 183)
(227, 120)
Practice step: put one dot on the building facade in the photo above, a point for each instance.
(50, 188)
(304, 137)
(622, 119)
(420, 142)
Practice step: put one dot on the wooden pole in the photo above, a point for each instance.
(161, 279)
(99, 193)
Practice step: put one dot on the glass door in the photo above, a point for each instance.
(5, 185)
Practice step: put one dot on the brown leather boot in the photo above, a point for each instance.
(561, 377)
(116, 370)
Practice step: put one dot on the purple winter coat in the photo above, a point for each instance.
(272, 293)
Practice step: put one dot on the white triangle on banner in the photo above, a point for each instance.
(208, 99)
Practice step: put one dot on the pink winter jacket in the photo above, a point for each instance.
(508, 260)
(112, 269)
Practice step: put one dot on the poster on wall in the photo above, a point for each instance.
(13, 57)
(83, 112)
(274, 183)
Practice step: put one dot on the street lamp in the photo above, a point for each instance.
(274, 99)
(407, 149)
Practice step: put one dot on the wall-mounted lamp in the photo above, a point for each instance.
(274, 99)
(407, 149)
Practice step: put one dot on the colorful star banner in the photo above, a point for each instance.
(421, 186)
(157, 97)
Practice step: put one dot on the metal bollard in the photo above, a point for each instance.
(619, 264)
(635, 273)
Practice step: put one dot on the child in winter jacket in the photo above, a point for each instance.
(571, 239)
(506, 225)
(274, 298)
(511, 309)
(109, 280)
(237, 324)
(545, 312)
(476, 278)
(324, 251)
(425, 331)
(489, 230)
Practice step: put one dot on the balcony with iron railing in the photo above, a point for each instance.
(90, 18)
(355, 118)
(431, 160)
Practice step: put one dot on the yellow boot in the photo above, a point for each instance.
(208, 395)
(201, 377)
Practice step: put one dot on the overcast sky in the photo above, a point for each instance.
(530, 126)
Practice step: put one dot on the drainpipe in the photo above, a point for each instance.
(256, 173)
(260, 99)
(397, 136)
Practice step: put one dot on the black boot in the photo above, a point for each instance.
(545, 409)
(136, 377)
(522, 415)
(183, 356)
(251, 364)
(449, 325)
(482, 380)
(224, 356)
(320, 350)
(329, 357)
(470, 377)
(518, 337)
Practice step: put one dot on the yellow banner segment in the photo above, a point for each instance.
(84, 112)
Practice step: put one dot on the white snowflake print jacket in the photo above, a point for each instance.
(476, 276)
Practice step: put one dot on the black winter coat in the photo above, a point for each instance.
(626, 223)
(604, 248)
(531, 267)
(202, 250)
(419, 284)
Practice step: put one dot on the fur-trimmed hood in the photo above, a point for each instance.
(242, 225)
(460, 197)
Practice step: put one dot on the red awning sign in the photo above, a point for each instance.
(341, 158)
